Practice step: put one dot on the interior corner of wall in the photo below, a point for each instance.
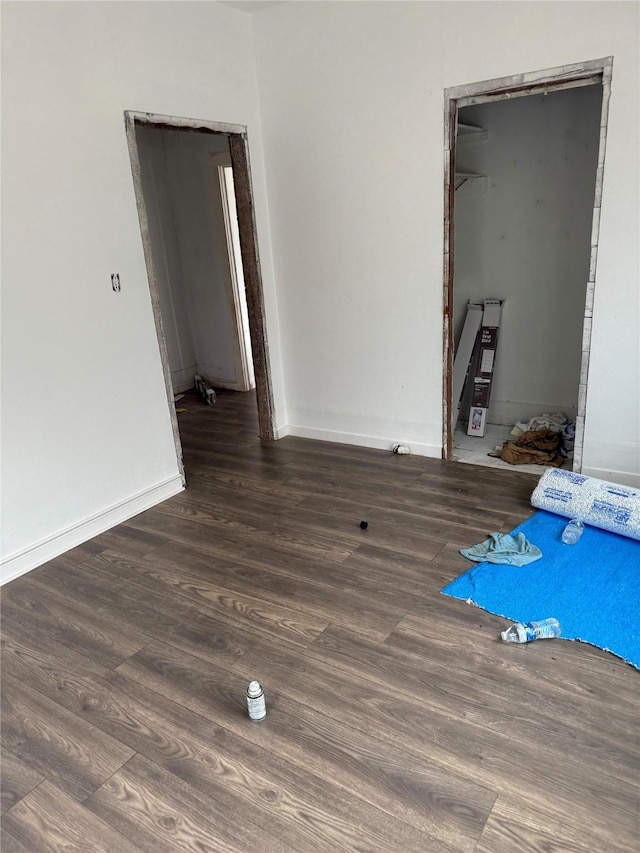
(282, 430)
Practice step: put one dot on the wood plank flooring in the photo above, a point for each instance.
(397, 720)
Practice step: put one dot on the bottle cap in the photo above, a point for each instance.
(254, 688)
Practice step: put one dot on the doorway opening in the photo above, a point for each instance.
(195, 206)
(524, 170)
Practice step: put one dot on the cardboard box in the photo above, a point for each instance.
(485, 366)
(466, 348)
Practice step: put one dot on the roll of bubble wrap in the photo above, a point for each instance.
(596, 502)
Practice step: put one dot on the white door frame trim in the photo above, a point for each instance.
(219, 163)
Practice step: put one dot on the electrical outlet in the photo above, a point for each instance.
(115, 282)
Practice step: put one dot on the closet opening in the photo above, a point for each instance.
(524, 171)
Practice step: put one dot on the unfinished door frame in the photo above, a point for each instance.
(238, 147)
(592, 72)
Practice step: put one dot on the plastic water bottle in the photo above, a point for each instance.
(527, 632)
(572, 532)
(256, 704)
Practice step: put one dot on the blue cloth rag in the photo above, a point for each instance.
(503, 548)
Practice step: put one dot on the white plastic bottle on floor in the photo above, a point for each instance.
(256, 704)
(572, 532)
(526, 632)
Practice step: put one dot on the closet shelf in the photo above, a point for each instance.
(463, 177)
(471, 133)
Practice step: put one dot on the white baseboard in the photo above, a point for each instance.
(282, 431)
(621, 477)
(418, 449)
(181, 388)
(224, 383)
(46, 549)
(218, 382)
(182, 380)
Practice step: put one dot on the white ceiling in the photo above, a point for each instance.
(251, 5)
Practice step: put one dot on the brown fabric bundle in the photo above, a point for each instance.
(535, 447)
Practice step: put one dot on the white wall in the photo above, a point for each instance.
(84, 446)
(184, 204)
(352, 115)
(166, 256)
(524, 236)
(197, 205)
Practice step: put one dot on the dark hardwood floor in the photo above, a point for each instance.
(397, 720)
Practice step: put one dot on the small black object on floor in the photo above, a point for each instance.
(364, 524)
